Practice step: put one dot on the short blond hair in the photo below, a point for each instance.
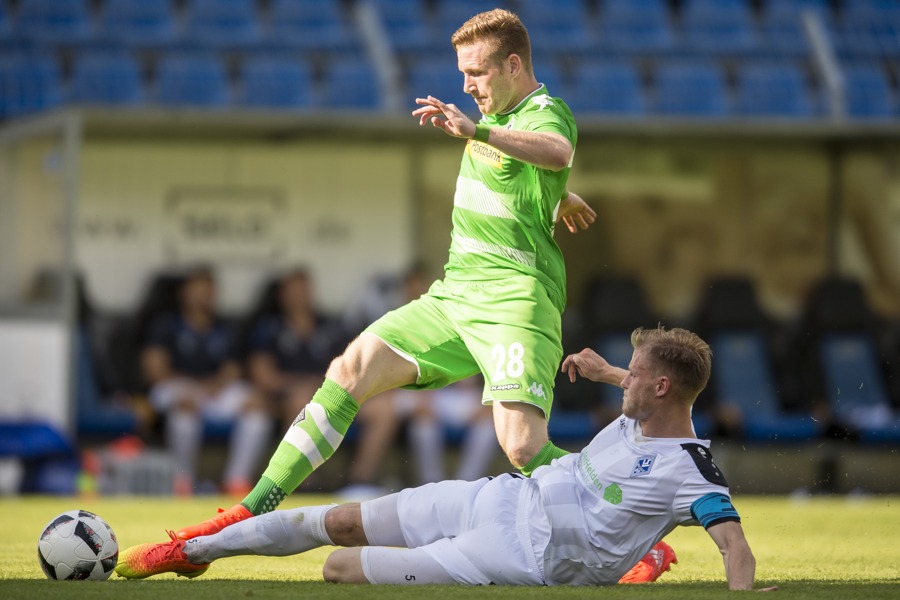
(502, 29)
(680, 354)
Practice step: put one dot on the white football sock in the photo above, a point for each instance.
(426, 436)
(248, 442)
(479, 449)
(184, 431)
(278, 533)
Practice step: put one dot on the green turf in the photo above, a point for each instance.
(819, 548)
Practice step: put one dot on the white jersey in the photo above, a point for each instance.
(609, 504)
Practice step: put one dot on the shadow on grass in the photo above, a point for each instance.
(219, 589)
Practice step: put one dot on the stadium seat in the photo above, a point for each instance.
(782, 28)
(191, 80)
(312, 25)
(715, 28)
(106, 79)
(854, 382)
(559, 27)
(613, 307)
(351, 84)
(441, 79)
(276, 82)
(639, 27)
(773, 90)
(54, 21)
(451, 15)
(406, 24)
(138, 22)
(743, 375)
(222, 23)
(28, 84)
(548, 72)
(866, 91)
(869, 29)
(606, 88)
(695, 89)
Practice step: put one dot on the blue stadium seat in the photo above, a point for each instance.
(869, 29)
(549, 73)
(106, 79)
(855, 387)
(773, 90)
(406, 23)
(744, 379)
(441, 79)
(192, 80)
(559, 27)
(28, 84)
(866, 91)
(222, 23)
(312, 25)
(639, 27)
(695, 89)
(351, 84)
(451, 15)
(139, 22)
(276, 82)
(606, 88)
(719, 29)
(54, 21)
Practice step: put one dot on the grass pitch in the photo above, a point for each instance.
(816, 548)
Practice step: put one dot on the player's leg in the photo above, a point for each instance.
(250, 433)
(381, 565)
(367, 367)
(519, 353)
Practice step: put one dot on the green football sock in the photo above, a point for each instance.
(544, 456)
(309, 442)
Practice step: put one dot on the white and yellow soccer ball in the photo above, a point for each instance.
(78, 545)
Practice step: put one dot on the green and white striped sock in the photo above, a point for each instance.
(309, 442)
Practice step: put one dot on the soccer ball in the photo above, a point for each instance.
(78, 545)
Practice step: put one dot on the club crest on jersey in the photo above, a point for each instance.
(643, 465)
(542, 101)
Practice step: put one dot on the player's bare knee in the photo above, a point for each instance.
(343, 566)
(344, 525)
(520, 451)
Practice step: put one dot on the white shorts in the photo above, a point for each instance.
(222, 406)
(477, 530)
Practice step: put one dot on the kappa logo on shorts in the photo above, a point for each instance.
(537, 389)
(643, 465)
(505, 387)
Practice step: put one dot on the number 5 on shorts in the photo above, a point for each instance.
(509, 361)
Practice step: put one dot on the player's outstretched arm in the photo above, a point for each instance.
(542, 149)
(575, 213)
(590, 365)
(740, 566)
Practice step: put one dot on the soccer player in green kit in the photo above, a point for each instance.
(498, 309)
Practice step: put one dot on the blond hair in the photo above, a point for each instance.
(500, 28)
(680, 354)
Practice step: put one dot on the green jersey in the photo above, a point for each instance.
(504, 209)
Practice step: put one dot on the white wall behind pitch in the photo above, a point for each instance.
(341, 209)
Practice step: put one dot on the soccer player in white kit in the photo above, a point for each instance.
(585, 519)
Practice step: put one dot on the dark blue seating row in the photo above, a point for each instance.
(33, 82)
(310, 25)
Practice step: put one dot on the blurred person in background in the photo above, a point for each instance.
(289, 353)
(456, 406)
(188, 359)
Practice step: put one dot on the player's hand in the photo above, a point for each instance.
(446, 117)
(587, 364)
(575, 213)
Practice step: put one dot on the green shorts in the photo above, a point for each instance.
(508, 330)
